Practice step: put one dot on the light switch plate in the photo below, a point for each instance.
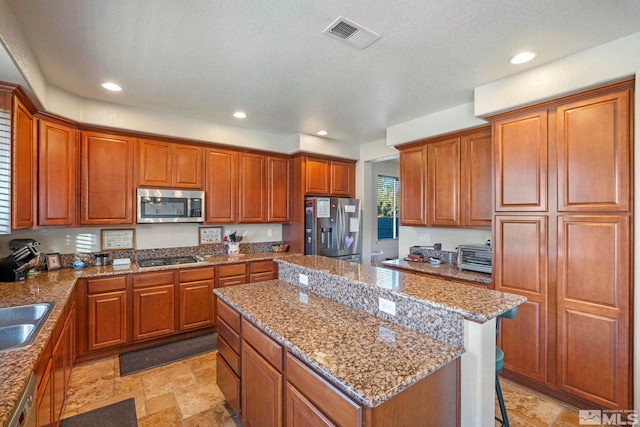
(387, 306)
(303, 279)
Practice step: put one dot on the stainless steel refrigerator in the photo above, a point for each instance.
(332, 227)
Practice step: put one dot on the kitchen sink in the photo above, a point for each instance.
(20, 325)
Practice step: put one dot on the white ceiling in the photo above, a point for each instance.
(206, 59)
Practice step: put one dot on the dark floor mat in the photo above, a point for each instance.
(120, 414)
(147, 358)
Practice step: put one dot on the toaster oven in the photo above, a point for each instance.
(475, 258)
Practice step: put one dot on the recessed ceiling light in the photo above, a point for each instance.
(322, 133)
(240, 115)
(522, 57)
(112, 86)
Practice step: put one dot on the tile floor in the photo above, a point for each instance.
(184, 394)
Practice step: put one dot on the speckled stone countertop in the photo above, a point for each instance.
(346, 345)
(443, 270)
(56, 286)
(472, 302)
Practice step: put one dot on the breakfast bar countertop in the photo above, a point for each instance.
(370, 359)
(446, 271)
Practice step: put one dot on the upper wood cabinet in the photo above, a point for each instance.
(594, 161)
(475, 182)
(252, 189)
(165, 164)
(24, 167)
(446, 182)
(413, 181)
(106, 182)
(520, 162)
(57, 171)
(278, 189)
(328, 177)
(221, 169)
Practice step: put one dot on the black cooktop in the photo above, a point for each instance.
(158, 262)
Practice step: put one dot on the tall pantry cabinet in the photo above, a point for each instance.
(562, 238)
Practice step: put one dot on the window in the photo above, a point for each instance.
(388, 202)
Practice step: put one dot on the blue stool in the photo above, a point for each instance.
(499, 364)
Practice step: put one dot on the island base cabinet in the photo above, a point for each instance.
(300, 412)
(229, 383)
(261, 390)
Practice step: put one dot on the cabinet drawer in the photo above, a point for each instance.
(262, 277)
(268, 348)
(229, 315)
(229, 335)
(232, 281)
(230, 356)
(262, 266)
(152, 279)
(96, 286)
(195, 274)
(229, 383)
(335, 404)
(232, 270)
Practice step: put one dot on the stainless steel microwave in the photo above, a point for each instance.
(167, 205)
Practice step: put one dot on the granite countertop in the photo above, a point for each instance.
(56, 286)
(443, 270)
(324, 334)
(472, 302)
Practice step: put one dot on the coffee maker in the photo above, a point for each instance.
(14, 267)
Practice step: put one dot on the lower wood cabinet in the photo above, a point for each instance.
(299, 411)
(153, 305)
(107, 312)
(261, 390)
(195, 287)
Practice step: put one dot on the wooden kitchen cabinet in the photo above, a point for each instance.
(170, 165)
(443, 183)
(476, 207)
(278, 189)
(58, 149)
(260, 271)
(252, 189)
(153, 305)
(107, 312)
(318, 176)
(343, 179)
(221, 182)
(195, 287)
(232, 275)
(299, 411)
(562, 238)
(24, 166)
(413, 182)
(106, 183)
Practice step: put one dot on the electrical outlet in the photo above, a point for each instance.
(424, 237)
(387, 306)
(303, 279)
(270, 232)
(304, 298)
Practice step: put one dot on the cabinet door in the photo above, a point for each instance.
(107, 179)
(44, 402)
(475, 189)
(107, 320)
(253, 189)
(57, 358)
(187, 166)
(24, 167)
(413, 176)
(443, 192)
(278, 189)
(155, 163)
(196, 305)
(593, 307)
(221, 186)
(520, 162)
(229, 383)
(317, 176)
(343, 177)
(57, 171)
(300, 412)
(153, 311)
(594, 161)
(520, 267)
(261, 390)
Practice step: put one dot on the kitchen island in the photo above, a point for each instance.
(460, 316)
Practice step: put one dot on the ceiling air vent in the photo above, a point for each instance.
(351, 33)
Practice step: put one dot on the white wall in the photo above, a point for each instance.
(148, 236)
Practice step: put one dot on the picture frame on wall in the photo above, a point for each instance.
(210, 236)
(117, 239)
(53, 261)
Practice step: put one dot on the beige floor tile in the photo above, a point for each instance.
(104, 368)
(162, 381)
(160, 403)
(167, 418)
(567, 418)
(203, 419)
(198, 398)
(529, 407)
